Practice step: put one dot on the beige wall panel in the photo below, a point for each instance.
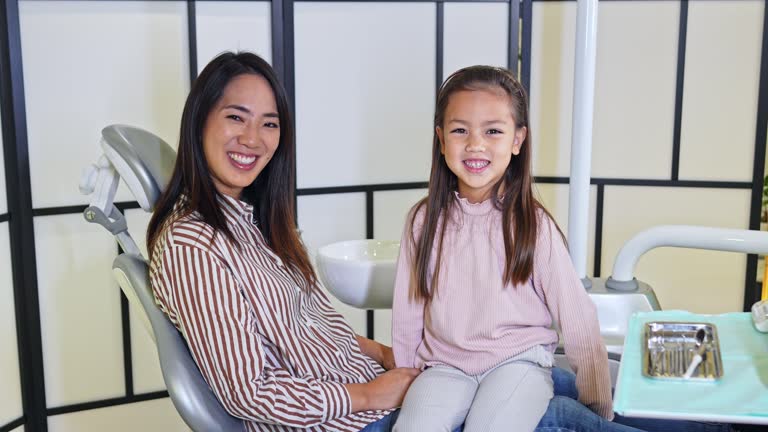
(551, 92)
(635, 89)
(155, 415)
(554, 197)
(722, 66)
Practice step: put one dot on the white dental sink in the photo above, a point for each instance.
(360, 273)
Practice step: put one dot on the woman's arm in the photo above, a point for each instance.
(380, 353)
(221, 331)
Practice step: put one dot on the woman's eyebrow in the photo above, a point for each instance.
(238, 108)
(247, 111)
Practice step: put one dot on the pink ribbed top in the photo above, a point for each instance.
(476, 322)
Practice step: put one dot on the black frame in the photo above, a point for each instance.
(21, 213)
(21, 228)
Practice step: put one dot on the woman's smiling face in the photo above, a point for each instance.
(241, 133)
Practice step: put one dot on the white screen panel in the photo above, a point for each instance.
(390, 210)
(382, 326)
(232, 26)
(114, 62)
(19, 429)
(635, 89)
(326, 219)
(554, 197)
(155, 415)
(365, 80)
(474, 33)
(10, 396)
(138, 220)
(717, 136)
(695, 280)
(79, 311)
(147, 376)
(551, 92)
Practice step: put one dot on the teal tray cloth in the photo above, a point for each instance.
(739, 396)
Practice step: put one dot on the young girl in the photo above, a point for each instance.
(483, 272)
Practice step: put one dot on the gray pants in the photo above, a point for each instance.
(512, 397)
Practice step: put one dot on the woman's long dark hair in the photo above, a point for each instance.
(516, 200)
(271, 194)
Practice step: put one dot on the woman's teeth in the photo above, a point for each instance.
(242, 159)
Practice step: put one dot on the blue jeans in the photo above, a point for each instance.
(566, 414)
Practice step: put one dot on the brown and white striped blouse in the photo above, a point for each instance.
(274, 355)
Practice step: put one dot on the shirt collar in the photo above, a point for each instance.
(478, 209)
(236, 206)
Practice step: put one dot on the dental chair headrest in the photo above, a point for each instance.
(143, 160)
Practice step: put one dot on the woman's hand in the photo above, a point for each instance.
(387, 357)
(387, 391)
(381, 354)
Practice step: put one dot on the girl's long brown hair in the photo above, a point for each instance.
(271, 194)
(512, 195)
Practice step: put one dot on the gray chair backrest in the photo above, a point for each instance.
(189, 392)
(150, 161)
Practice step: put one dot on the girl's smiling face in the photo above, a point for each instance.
(478, 139)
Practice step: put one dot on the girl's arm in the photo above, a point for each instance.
(576, 316)
(407, 313)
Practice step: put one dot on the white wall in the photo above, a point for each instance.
(115, 62)
(474, 33)
(233, 26)
(364, 93)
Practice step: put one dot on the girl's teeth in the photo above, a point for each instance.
(477, 164)
(245, 160)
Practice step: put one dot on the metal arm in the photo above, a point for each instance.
(685, 236)
(101, 181)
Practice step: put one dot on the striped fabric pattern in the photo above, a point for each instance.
(273, 354)
(475, 322)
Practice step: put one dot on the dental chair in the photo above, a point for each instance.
(145, 163)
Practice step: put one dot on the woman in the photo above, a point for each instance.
(228, 268)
